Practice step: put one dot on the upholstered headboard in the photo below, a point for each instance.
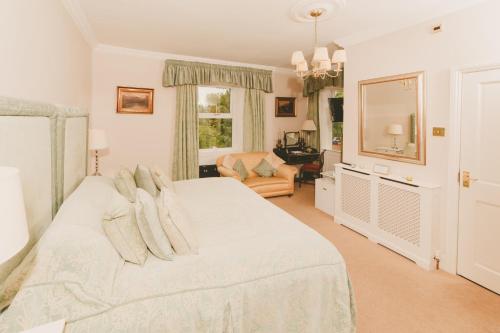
(48, 144)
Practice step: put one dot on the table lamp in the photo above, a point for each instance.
(13, 225)
(97, 141)
(395, 130)
(309, 126)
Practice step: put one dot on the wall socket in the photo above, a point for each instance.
(438, 131)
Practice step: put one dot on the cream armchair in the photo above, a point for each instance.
(281, 184)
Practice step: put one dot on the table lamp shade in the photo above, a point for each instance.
(13, 226)
(309, 125)
(97, 139)
(395, 129)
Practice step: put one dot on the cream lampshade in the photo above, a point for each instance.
(13, 226)
(298, 57)
(395, 130)
(325, 65)
(339, 57)
(309, 126)
(320, 54)
(97, 141)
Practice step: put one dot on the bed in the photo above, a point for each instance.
(48, 144)
(258, 270)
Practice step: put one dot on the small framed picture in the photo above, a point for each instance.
(285, 107)
(134, 100)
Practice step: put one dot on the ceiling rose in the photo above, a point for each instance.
(301, 11)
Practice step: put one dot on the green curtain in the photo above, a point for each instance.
(186, 134)
(313, 114)
(186, 75)
(253, 120)
(312, 87)
(179, 73)
(312, 84)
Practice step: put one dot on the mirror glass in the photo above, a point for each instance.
(291, 139)
(391, 116)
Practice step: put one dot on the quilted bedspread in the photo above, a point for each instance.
(259, 270)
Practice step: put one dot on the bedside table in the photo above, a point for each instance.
(209, 171)
(324, 189)
(53, 327)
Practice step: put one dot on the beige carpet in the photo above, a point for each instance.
(392, 293)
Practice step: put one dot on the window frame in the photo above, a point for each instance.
(228, 115)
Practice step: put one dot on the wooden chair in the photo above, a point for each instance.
(314, 169)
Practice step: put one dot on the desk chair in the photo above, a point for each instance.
(314, 168)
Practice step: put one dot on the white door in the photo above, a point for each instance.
(479, 222)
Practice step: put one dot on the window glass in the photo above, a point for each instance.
(215, 118)
(216, 133)
(214, 100)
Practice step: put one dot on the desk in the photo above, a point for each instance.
(292, 156)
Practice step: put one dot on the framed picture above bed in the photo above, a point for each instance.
(285, 107)
(134, 100)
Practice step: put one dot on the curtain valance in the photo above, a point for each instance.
(179, 73)
(312, 85)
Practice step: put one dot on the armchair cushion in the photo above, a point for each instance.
(239, 167)
(265, 169)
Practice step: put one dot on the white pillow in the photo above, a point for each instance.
(150, 227)
(176, 223)
(228, 161)
(274, 160)
(120, 225)
(161, 179)
(125, 184)
(144, 180)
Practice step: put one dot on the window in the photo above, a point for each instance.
(215, 118)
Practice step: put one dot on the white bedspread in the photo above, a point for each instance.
(259, 270)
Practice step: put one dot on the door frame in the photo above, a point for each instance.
(450, 261)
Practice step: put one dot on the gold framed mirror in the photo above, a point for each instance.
(392, 118)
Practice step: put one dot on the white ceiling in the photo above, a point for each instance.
(247, 31)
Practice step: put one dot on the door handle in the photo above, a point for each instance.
(466, 179)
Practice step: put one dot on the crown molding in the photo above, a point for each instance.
(106, 48)
(76, 12)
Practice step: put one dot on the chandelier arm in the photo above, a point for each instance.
(316, 71)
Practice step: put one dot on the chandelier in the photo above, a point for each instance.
(321, 63)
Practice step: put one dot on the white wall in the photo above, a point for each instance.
(469, 38)
(149, 138)
(285, 85)
(43, 55)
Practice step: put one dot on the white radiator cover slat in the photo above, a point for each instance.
(400, 216)
(356, 197)
(399, 213)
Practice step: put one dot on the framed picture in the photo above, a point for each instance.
(134, 100)
(285, 107)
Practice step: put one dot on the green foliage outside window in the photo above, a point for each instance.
(338, 129)
(215, 132)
